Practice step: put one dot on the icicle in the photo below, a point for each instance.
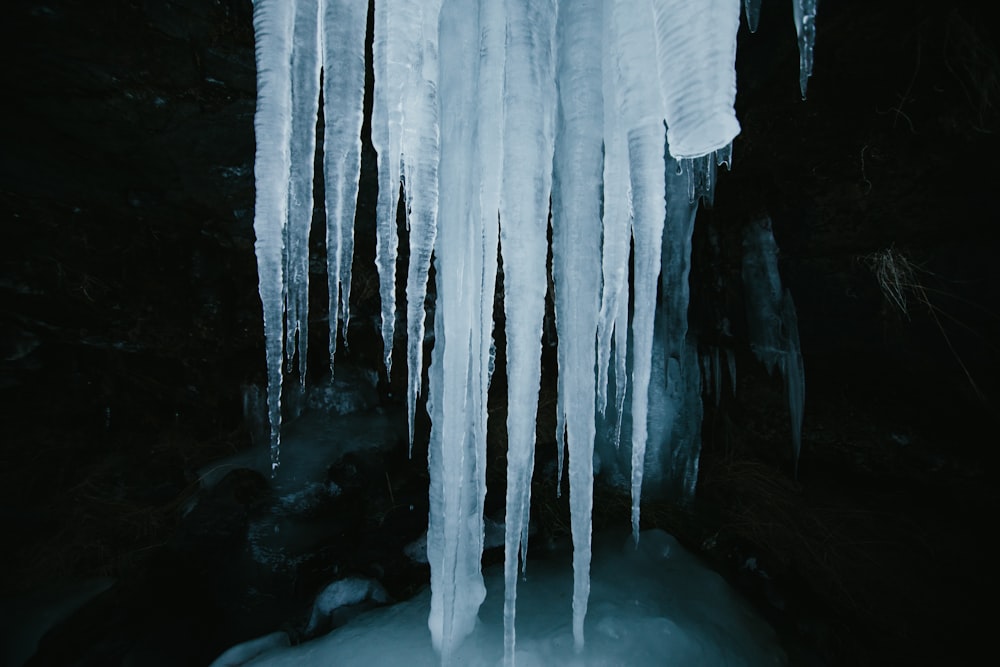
(751, 9)
(492, 35)
(529, 107)
(771, 319)
(804, 12)
(576, 237)
(343, 96)
(621, 366)
(696, 51)
(456, 454)
(493, 32)
(642, 112)
(420, 147)
(616, 219)
(391, 64)
(305, 92)
(273, 21)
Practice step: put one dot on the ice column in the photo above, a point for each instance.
(576, 251)
(457, 448)
(528, 144)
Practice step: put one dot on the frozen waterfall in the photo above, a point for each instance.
(494, 115)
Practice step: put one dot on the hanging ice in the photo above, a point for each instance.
(343, 93)
(528, 108)
(696, 53)
(305, 92)
(774, 329)
(804, 12)
(457, 448)
(576, 236)
(613, 316)
(292, 41)
(491, 115)
(273, 22)
(751, 9)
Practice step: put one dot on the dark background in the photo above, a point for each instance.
(130, 324)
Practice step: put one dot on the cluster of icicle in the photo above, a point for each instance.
(487, 111)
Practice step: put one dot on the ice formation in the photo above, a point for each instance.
(491, 115)
(774, 329)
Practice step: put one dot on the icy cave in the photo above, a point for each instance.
(477, 332)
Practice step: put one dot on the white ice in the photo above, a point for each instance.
(576, 251)
(528, 145)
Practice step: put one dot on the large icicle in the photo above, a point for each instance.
(529, 108)
(576, 251)
(696, 50)
(456, 452)
(273, 21)
(305, 89)
(343, 96)
(804, 12)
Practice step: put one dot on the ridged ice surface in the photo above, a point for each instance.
(696, 51)
(509, 125)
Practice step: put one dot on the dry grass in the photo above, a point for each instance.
(903, 283)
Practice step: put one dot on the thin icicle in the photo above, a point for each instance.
(420, 147)
(529, 107)
(642, 112)
(343, 96)
(621, 366)
(305, 92)
(273, 21)
(390, 60)
(616, 216)
(804, 12)
(751, 9)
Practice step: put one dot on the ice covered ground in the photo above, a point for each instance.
(651, 605)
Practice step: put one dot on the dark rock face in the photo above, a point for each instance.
(129, 320)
